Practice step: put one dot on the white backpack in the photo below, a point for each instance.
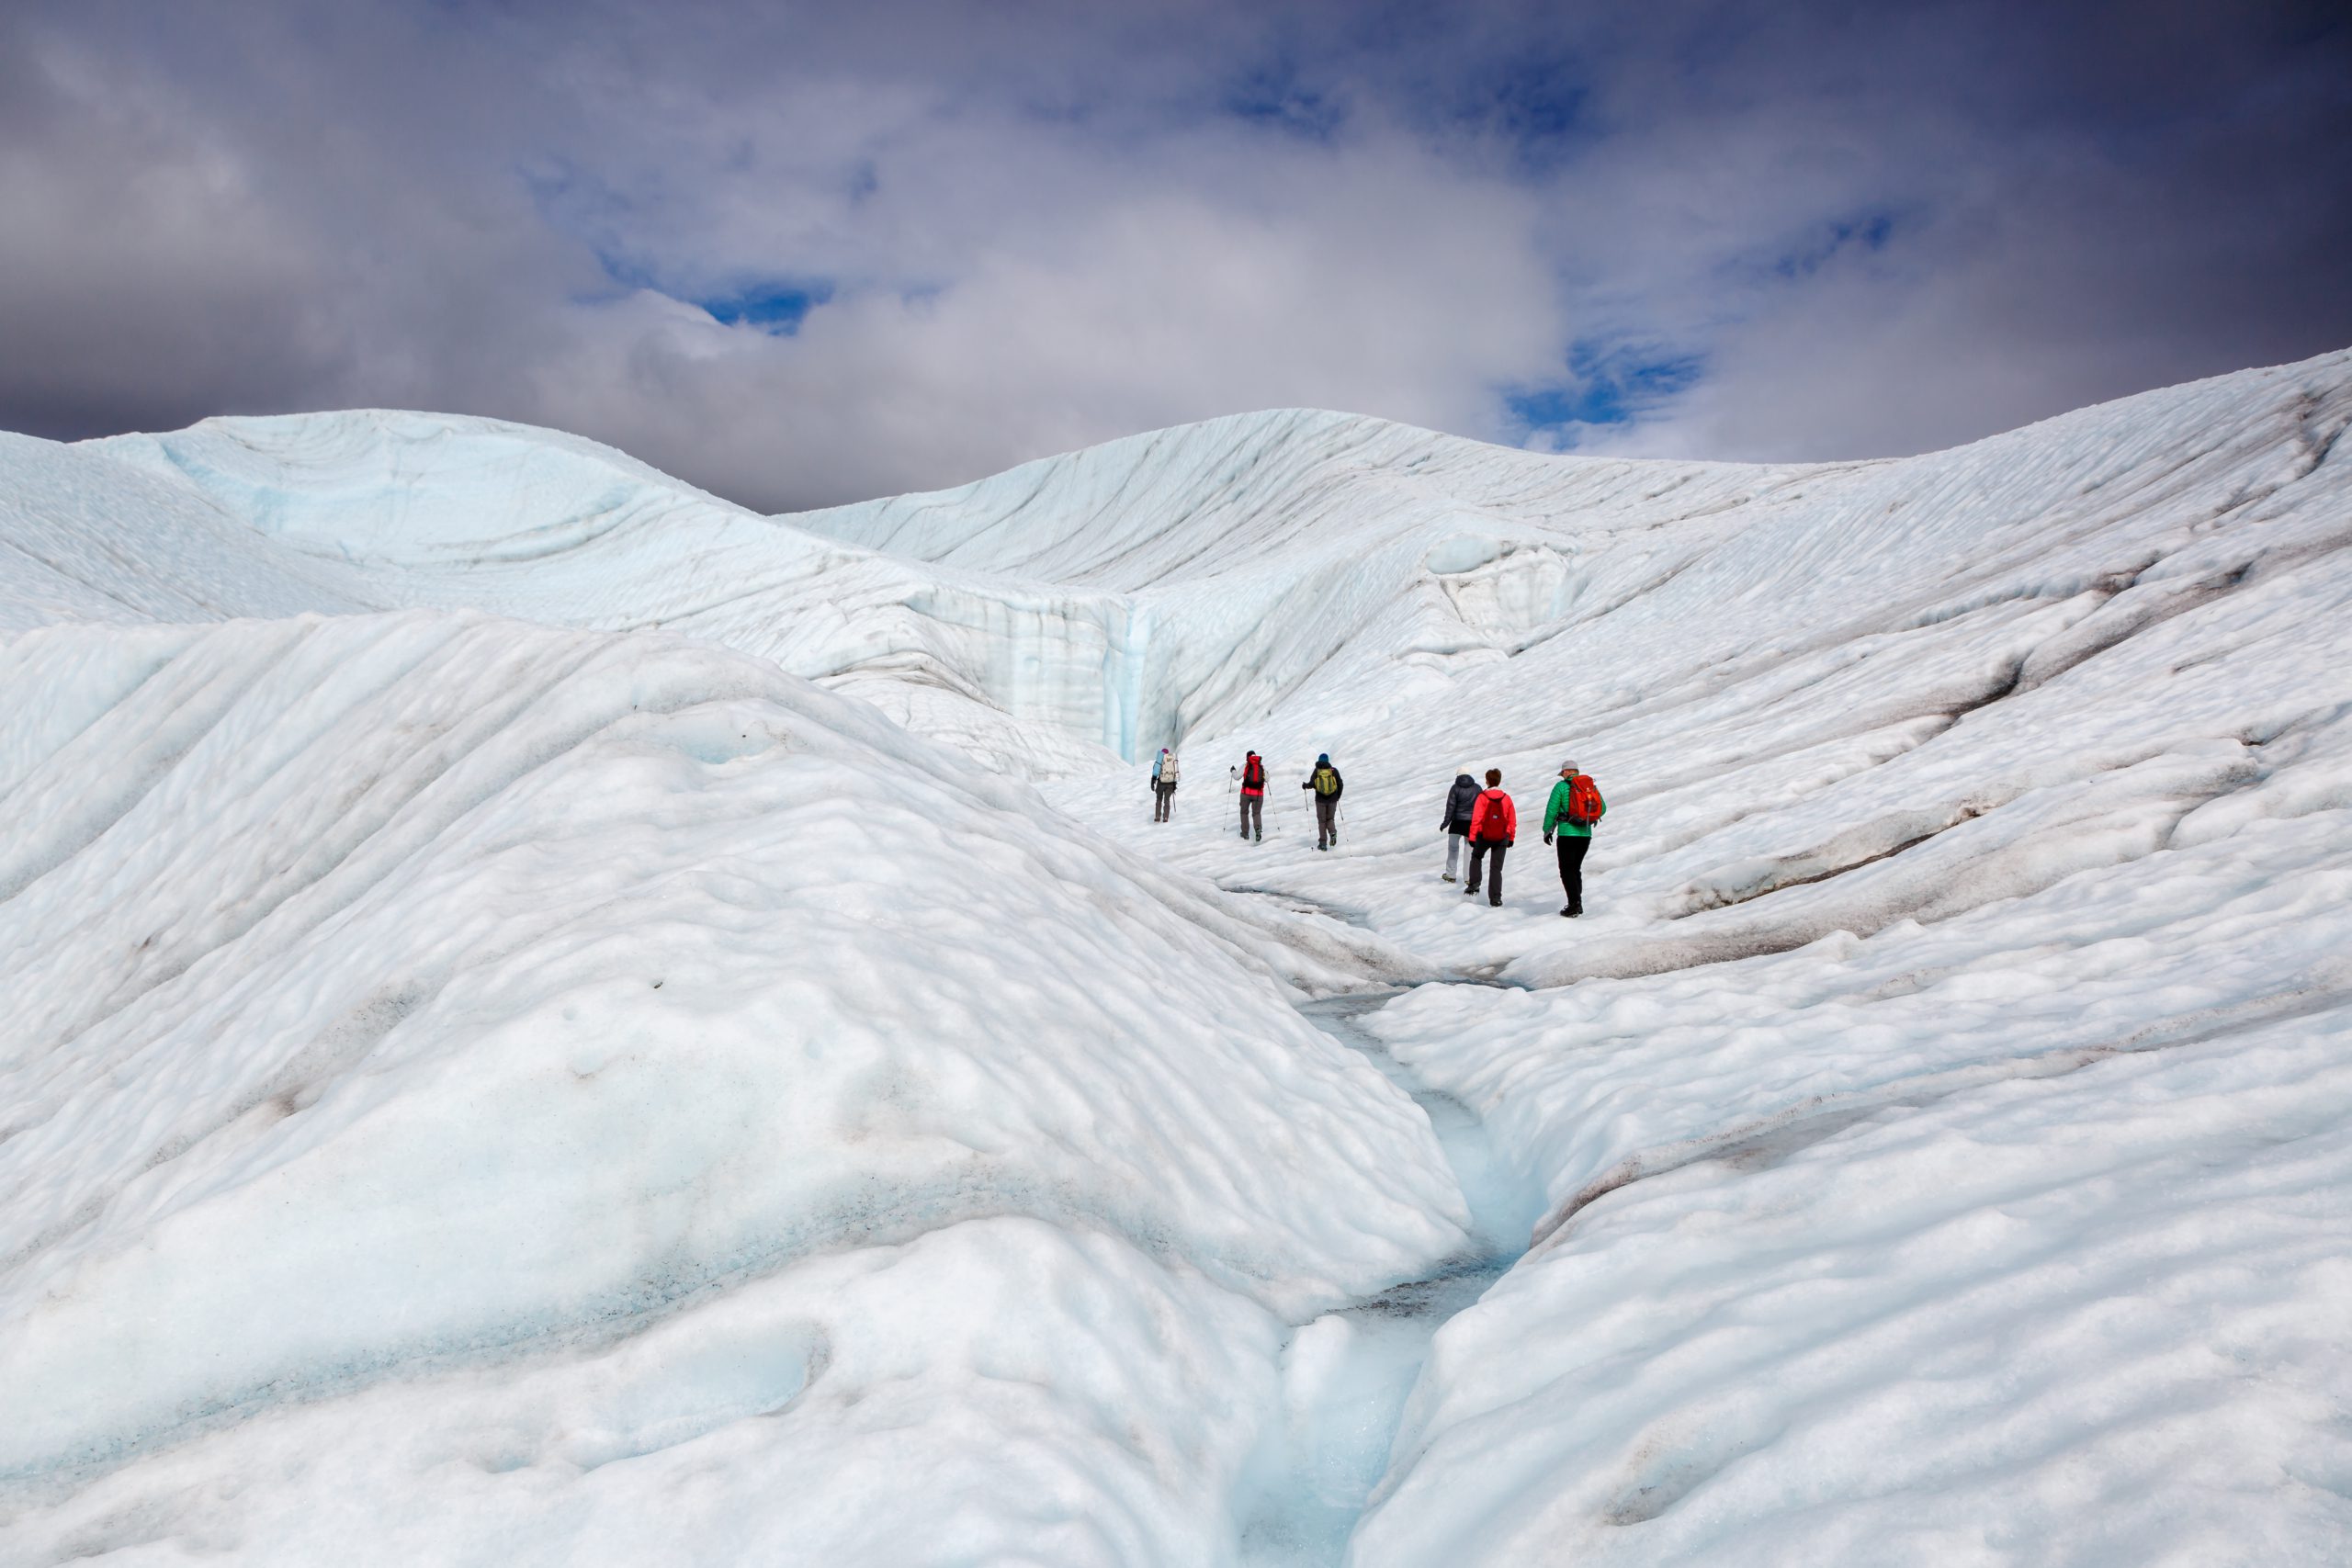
(1167, 769)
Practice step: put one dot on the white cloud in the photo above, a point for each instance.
(1041, 227)
(1370, 277)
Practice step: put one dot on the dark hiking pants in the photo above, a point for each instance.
(1493, 877)
(1327, 825)
(1571, 848)
(1167, 797)
(1253, 815)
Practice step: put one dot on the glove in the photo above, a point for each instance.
(1547, 838)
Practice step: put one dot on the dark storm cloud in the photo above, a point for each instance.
(803, 254)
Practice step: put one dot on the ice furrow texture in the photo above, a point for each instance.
(515, 1053)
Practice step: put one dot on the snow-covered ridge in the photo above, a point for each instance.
(1186, 582)
(1932, 1145)
(1124, 596)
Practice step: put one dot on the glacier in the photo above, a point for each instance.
(557, 1018)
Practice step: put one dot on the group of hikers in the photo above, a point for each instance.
(1485, 819)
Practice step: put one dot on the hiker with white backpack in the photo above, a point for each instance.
(1163, 784)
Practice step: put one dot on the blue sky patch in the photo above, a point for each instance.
(1273, 96)
(1866, 233)
(777, 306)
(1606, 385)
(1539, 106)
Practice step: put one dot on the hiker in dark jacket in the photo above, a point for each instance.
(1493, 827)
(1455, 823)
(1326, 782)
(1253, 797)
(1574, 806)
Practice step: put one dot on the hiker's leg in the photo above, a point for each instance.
(1572, 852)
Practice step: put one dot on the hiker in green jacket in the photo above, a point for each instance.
(1576, 804)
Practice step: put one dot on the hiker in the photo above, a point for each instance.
(1455, 823)
(1576, 804)
(1163, 784)
(1326, 782)
(1253, 797)
(1493, 826)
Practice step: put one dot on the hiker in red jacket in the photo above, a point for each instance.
(1493, 827)
(1254, 798)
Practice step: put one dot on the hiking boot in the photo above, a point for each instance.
(1567, 912)
(1445, 876)
(1471, 891)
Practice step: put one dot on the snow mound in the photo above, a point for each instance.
(399, 486)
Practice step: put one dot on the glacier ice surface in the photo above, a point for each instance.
(554, 1018)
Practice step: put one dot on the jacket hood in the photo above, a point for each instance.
(1465, 779)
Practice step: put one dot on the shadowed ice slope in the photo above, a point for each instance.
(499, 1068)
(490, 1031)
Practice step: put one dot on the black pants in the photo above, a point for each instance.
(1494, 878)
(1327, 824)
(1166, 796)
(1572, 849)
(1253, 815)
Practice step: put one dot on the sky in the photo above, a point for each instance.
(800, 254)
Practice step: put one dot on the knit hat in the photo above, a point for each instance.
(1567, 767)
(1323, 760)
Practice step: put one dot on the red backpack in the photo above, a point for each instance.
(1585, 804)
(1253, 774)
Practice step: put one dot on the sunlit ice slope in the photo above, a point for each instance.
(1943, 1110)
(554, 1097)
